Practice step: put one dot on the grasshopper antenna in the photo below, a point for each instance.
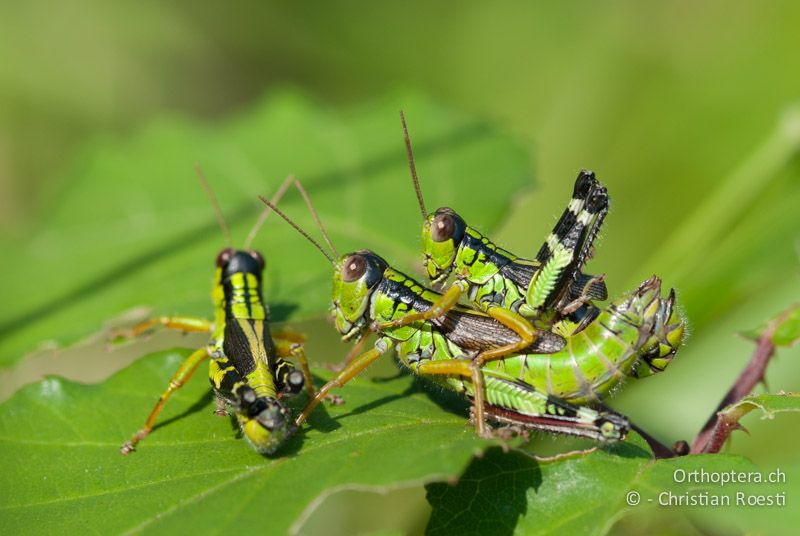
(316, 216)
(298, 229)
(276, 198)
(214, 203)
(413, 167)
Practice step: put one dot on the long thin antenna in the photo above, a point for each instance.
(214, 203)
(413, 168)
(316, 217)
(298, 229)
(276, 198)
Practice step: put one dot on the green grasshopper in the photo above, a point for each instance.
(636, 333)
(248, 373)
(549, 291)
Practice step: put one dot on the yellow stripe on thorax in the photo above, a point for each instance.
(246, 293)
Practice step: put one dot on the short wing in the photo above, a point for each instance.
(477, 332)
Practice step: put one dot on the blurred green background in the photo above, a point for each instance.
(687, 111)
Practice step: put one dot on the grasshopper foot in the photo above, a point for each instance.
(334, 400)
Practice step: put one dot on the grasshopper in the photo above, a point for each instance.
(248, 373)
(548, 292)
(635, 334)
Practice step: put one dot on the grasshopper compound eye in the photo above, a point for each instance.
(354, 268)
(258, 258)
(443, 227)
(224, 257)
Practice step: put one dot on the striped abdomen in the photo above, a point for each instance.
(636, 335)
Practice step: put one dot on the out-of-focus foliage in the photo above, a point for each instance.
(135, 227)
(785, 328)
(683, 109)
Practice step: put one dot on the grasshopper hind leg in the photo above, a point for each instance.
(566, 249)
(584, 185)
(563, 418)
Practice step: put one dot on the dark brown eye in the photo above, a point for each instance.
(224, 257)
(443, 227)
(353, 268)
(258, 257)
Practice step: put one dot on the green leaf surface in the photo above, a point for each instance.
(581, 493)
(134, 228)
(195, 473)
(769, 404)
(61, 442)
(785, 326)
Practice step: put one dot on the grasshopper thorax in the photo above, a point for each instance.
(442, 233)
(355, 277)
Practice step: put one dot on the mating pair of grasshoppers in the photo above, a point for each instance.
(533, 350)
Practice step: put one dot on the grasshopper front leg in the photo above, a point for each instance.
(439, 308)
(353, 369)
(525, 331)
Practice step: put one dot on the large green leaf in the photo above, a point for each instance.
(194, 473)
(64, 472)
(134, 227)
(580, 493)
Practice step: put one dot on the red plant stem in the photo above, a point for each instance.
(717, 429)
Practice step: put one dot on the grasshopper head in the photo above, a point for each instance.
(442, 233)
(265, 423)
(231, 261)
(355, 277)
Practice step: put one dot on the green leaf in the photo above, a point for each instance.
(61, 442)
(134, 227)
(578, 493)
(769, 404)
(785, 326)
